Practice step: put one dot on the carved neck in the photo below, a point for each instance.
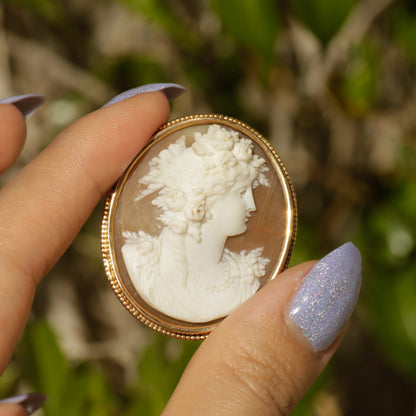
(208, 252)
(172, 250)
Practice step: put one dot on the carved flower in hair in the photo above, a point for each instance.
(177, 223)
(195, 210)
(227, 160)
(224, 141)
(216, 139)
(243, 150)
(175, 199)
(202, 149)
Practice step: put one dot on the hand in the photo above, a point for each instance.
(260, 360)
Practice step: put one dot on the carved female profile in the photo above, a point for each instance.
(205, 195)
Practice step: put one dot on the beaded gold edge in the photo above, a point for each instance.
(105, 230)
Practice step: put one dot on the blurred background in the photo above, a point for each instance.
(330, 83)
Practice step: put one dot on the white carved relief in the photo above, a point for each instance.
(204, 195)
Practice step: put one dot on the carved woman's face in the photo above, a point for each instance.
(230, 214)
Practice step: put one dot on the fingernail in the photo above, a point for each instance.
(26, 103)
(30, 401)
(324, 302)
(170, 90)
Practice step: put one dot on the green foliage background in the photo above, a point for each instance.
(331, 84)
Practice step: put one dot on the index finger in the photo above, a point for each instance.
(45, 205)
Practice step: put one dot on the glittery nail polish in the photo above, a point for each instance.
(30, 401)
(170, 90)
(324, 302)
(26, 103)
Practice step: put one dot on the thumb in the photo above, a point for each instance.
(263, 357)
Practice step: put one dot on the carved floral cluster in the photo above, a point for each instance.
(217, 159)
(254, 265)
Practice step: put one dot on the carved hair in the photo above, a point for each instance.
(216, 163)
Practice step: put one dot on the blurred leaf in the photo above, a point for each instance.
(100, 400)
(254, 23)
(404, 29)
(128, 71)
(388, 237)
(46, 365)
(392, 316)
(323, 17)
(8, 379)
(160, 368)
(406, 293)
(48, 9)
(359, 84)
(406, 198)
(70, 390)
(159, 13)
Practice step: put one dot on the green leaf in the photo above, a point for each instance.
(100, 399)
(70, 390)
(8, 379)
(128, 71)
(387, 237)
(360, 79)
(323, 17)
(47, 9)
(159, 13)
(391, 316)
(45, 363)
(253, 23)
(404, 31)
(160, 368)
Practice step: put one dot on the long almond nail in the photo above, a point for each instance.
(30, 401)
(324, 302)
(26, 103)
(170, 90)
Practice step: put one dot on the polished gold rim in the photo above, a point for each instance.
(162, 324)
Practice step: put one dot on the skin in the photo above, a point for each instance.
(9, 409)
(255, 362)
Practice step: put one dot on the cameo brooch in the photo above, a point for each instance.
(202, 218)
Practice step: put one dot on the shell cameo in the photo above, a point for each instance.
(203, 217)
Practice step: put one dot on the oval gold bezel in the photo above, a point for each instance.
(137, 307)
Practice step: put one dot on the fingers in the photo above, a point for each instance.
(13, 111)
(54, 194)
(263, 358)
(45, 205)
(22, 405)
(10, 409)
(12, 135)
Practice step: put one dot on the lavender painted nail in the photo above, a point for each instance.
(30, 401)
(27, 103)
(324, 302)
(170, 90)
